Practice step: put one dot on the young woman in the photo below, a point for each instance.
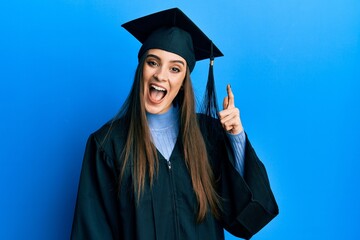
(161, 171)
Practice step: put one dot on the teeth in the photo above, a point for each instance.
(158, 88)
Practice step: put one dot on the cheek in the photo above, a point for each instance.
(147, 72)
(179, 82)
(176, 86)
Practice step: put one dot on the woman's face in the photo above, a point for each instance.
(163, 76)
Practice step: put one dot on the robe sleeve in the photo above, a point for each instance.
(96, 207)
(238, 143)
(248, 202)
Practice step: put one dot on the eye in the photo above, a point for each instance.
(175, 69)
(152, 63)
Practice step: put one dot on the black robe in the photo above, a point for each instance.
(168, 209)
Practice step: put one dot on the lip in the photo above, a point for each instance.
(152, 85)
(157, 85)
(157, 88)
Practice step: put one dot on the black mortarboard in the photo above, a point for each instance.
(171, 30)
(165, 30)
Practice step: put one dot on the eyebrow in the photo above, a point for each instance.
(173, 61)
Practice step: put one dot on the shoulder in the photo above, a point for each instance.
(203, 118)
(113, 128)
(111, 137)
(210, 127)
(213, 135)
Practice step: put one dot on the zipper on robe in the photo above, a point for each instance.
(169, 164)
(173, 192)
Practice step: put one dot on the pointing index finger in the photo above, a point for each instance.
(230, 96)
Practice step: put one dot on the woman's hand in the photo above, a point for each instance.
(230, 116)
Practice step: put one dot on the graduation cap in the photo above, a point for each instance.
(171, 30)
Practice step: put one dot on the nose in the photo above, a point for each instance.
(161, 74)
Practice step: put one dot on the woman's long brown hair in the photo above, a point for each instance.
(144, 155)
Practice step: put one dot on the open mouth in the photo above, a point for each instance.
(157, 93)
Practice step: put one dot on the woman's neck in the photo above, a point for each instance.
(164, 120)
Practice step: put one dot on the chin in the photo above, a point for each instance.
(153, 110)
(156, 110)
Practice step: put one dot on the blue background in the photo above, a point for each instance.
(67, 65)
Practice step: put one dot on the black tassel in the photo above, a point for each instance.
(210, 106)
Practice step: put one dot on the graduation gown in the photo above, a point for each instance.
(168, 210)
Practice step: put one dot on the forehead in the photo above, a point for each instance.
(166, 55)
